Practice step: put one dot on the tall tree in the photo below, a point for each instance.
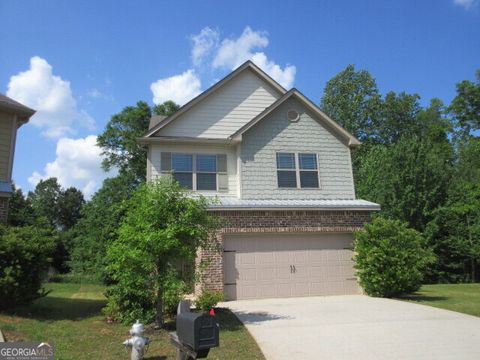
(69, 204)
(166, 109)
(465, 107)
(397, 117)
(44, 201)
(352, 99)
(118, 141)
(20, 210)
(98, 225)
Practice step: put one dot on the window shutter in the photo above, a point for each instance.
(222, 172)
(166, 162)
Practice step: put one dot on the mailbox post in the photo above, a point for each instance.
(196, 334)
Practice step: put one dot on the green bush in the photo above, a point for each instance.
(25, 255)
(208, 300)
(391, 259)
(163, 227)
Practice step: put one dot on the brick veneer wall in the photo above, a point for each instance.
(270, 221)
(3, 209)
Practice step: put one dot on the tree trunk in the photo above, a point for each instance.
(473, 265)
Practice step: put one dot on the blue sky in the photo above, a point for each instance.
(79, 62)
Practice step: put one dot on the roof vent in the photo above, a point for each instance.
(293, 115)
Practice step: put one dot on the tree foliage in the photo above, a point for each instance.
(162, 227)
(20, 210)
(465, 107)
(25, 256)
(118, 141)
(352, 99)
(98, 226)
(391, 259)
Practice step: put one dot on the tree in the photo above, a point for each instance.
(454, 235)
(118, 141)
(98, 225)
(351, 98)
(465, 107)
(397, 117)
(20, 211)
(44, 201)
(162, 227)
(391, 259)
(69, 204)
(166, 109)
(26, 254)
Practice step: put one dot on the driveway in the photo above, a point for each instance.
(357, 327)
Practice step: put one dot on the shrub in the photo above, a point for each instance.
(25, 255)
(391, 258)
(208, 300)
(163, 226)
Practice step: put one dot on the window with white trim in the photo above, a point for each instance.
(297, 170)
(203, 172)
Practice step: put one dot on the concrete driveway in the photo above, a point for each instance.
(357, 327)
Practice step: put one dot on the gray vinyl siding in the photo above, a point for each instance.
(226, 110)
(275, 134)
(6, 123)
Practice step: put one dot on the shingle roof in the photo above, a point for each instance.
(12, 105)
(231, 203)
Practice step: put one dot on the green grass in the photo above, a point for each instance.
(464, 298)
(69, 316)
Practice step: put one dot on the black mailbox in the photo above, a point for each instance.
(198, 331)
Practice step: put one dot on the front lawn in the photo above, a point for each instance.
(464, 298)
(70, 318)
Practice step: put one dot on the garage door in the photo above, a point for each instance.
(281, 265)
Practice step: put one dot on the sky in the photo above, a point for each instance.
(79, 62)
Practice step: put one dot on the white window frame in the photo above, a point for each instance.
(298, 170)
(194, 170)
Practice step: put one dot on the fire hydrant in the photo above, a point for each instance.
(137, 342)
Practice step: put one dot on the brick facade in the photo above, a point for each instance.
(3, 209)
(271, 221)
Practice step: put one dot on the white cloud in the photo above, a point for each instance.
(77, 163)
(97, 94)
(38, 88)
(203, 43)
(233, 52)
(179, 88)
(467, 4)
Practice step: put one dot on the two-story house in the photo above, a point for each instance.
(12, 116)
(281, 170)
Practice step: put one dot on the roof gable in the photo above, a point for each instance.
(247, 66)
(323, 118)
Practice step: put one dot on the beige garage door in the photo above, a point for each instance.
(280, 265)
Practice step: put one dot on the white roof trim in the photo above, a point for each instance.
(247, 65)
(231, 203)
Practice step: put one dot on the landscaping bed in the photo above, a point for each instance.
(70, 317)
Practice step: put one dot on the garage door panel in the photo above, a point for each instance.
(285, 265)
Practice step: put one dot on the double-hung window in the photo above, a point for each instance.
(297, 170)
(182, 169)
(207, 172)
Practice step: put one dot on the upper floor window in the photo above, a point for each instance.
(206, 172)
(297, 170)
(197, 171)
(182, 169)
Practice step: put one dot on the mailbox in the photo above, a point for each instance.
(199, 331)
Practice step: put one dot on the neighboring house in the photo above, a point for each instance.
(12, 116)
(282, 172)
